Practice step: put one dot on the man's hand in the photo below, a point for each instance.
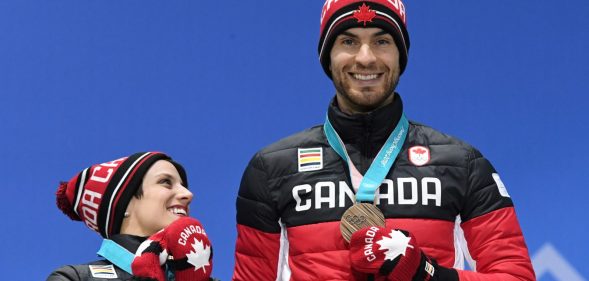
(390, 252)
(183, 246)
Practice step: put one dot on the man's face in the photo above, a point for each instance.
(364, 68)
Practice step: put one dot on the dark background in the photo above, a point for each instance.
(211, 82)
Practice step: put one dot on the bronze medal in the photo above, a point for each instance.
(359, 216)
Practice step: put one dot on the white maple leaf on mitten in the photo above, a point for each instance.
(200, 256)
(395, 244)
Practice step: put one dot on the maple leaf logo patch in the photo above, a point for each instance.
(396, 244)
(419, 155)
(200, 256)
(364, 14)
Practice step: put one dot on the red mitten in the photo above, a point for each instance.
(183, 246)
(389, 252)
(149, 259)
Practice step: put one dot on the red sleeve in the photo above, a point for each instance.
(497, 246)
(256, 254)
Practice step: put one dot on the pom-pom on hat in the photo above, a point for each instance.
(340, 15)
(99, 195)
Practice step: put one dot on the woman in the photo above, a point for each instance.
(128, 200)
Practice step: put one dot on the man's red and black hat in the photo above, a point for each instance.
(340, 15)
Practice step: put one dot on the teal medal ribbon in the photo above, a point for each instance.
(116, 254)
(121, 257)
(379, 168)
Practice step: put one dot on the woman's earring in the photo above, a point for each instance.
(126, 215)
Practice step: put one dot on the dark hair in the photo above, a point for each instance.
(139, 193)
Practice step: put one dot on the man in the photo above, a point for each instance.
(305, 209)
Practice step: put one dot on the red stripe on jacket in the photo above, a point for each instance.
(318, 251)
(256, 254)
(497, 245)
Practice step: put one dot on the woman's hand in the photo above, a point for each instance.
(183, 246)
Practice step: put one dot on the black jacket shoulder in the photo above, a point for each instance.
(276, 159)
(309, 137)
(455, 152)
(83, 272)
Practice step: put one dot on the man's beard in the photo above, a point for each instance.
(389, 91)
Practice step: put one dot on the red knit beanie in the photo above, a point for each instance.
(99, 195)
(340, 15)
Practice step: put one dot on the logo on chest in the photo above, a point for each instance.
(419, 155)
(310, 159)
(103, 271)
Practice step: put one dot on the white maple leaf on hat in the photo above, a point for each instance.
(199, 258)
(395, 244)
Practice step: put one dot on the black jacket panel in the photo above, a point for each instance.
(82, 272)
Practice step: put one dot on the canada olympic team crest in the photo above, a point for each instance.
(419, 155)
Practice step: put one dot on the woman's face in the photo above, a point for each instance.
(164, 200)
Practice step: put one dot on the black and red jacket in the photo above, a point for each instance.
(454, 204)
(84, 272)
